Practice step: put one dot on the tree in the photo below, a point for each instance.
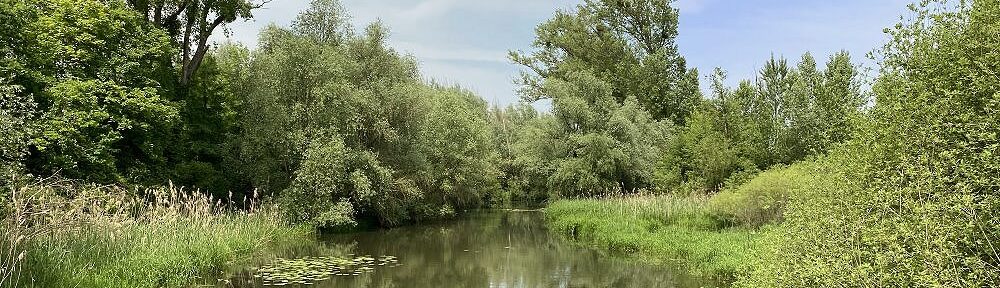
(786, 115)
(508, 125)
(841, 100)
(799, 111)
(341, 127)
(209, 120)
(16, 125)
(600, 147)
(92, 68)
(628, 44)
(190, 23)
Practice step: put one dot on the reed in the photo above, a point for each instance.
(67, 234)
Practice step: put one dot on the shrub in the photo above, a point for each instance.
(318, 195)
(762, 199)
(912, 201)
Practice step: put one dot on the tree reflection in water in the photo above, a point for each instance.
(489, 249)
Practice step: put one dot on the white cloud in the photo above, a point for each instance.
(429, 8)
(441, 52)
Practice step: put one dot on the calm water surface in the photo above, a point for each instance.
(488, 249)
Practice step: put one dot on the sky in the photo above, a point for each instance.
(465, 42)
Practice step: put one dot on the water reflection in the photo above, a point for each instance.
(496, 249)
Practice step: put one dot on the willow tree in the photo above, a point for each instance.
(629, 44)
(616, 80)
(342, 127)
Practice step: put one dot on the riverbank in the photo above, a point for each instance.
(716, 236)
(69, 235)
(658, 229)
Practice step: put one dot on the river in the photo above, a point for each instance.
(504, 249)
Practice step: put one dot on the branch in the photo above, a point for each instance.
(192, 65)
(173, 16)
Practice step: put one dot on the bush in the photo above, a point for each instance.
(318, 194)
(912, 201)
(762, 199)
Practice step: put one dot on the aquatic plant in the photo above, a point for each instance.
(310, 270)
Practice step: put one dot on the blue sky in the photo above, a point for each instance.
(465, 42)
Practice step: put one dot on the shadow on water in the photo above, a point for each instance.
(488, 249)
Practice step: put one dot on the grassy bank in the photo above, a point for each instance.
(68, 235)
(718, 235)
(657, 229)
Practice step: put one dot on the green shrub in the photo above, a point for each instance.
(762, 199)
(912, 201)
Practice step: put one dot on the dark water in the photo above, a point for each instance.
(494, 249)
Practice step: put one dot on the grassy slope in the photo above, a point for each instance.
(657, 229)
(721, 235)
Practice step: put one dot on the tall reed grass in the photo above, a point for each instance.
(66, 234)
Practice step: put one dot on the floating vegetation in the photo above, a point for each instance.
(309, 270)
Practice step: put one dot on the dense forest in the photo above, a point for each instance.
(136, 152)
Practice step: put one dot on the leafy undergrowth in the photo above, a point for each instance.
(658, 229)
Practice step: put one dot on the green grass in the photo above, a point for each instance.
(658, 229)
(102, 237)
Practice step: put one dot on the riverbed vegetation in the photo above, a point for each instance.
(811, 174)
(67, 234)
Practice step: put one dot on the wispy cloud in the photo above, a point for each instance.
(454, 54)
(429, 8)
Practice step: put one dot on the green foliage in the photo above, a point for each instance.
(83, 131)
(319, 179)
(592, 145)
(762, 199)
(616, 82)
(208, 122)
(342, 126)
(911, 201)
(535, 145)
(93, 68)
(630, 45)
(509, 126)
(786, 115)
(603, 147)
(16, 126)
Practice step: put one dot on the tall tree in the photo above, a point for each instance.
(93, 69)
(341, 127)
(191, 22)
(629, 44)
